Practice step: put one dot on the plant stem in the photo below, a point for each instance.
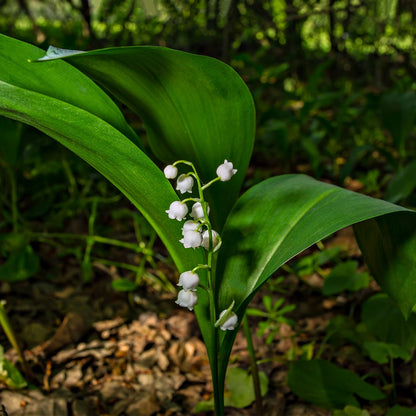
(254, 368)
(8, 330)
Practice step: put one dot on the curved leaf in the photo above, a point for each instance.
(58, 80)
(194, 107)
(277, 219)
(108, 151)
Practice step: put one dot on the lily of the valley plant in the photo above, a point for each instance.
(198, 109)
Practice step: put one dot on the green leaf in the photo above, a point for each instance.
(351, 411)
(401, 411)
(398, 111)
(381, 352)
(57, 80)
(344, 276)
(324, 384)
(20, 265)
(240, 390)
(385, 321)
(9, 140)
(123, 285)
(388, 244)
(194, 108)
(402, 184)
(279, 218)
(9, 374)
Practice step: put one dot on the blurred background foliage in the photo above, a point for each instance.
(333, 80)
(333, 83)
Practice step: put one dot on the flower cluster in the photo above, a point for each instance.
(197, 231)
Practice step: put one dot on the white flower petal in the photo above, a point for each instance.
(170, 171)
(225, 171)
(188, 280)
(184, 183)
(187, 299)
(231, 322)
(177, 210)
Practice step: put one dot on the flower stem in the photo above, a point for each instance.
(254, 368)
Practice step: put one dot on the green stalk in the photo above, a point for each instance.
(254, 368)
(218, 392)
(8, 330)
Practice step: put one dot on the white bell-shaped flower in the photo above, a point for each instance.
(177, 210)
(205, 239)
(197, 211)
(191, 239)
(190, 226)
(188, 280)
(184, 183)
(225, 171)
(230, 323)
(170, 171)
(187, 299)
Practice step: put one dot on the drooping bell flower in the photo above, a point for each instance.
(187, 299)
(205, 239)
(225, 171)
(191, 239)
(231, 321)
(177, 210)
(188, 280)
(170, 171)
(184, 183)
(197, 211)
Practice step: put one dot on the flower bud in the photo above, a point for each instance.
(191, 239)
(230, 323)
(225, 171)
(190, 226)
(177, 210)
(197, 211)
(184, 183)
(188, 280)
(187, 299)
(205, 239)
(170, 171)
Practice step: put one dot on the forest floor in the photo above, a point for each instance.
(94, 351)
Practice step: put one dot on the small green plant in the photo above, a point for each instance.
(274, 316)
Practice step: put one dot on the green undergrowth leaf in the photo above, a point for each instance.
(401, 411)
(402, 184)
(351, 411)
(240, 390)
(344, 276)
(324, 384)
(9, 374)
(382, 352)
(385, 321)
(20, 265)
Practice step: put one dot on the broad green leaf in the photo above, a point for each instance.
(385, 321)
(57, 80)
(324, 384)
(279, 218)
(108, 151)
(194, 108)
